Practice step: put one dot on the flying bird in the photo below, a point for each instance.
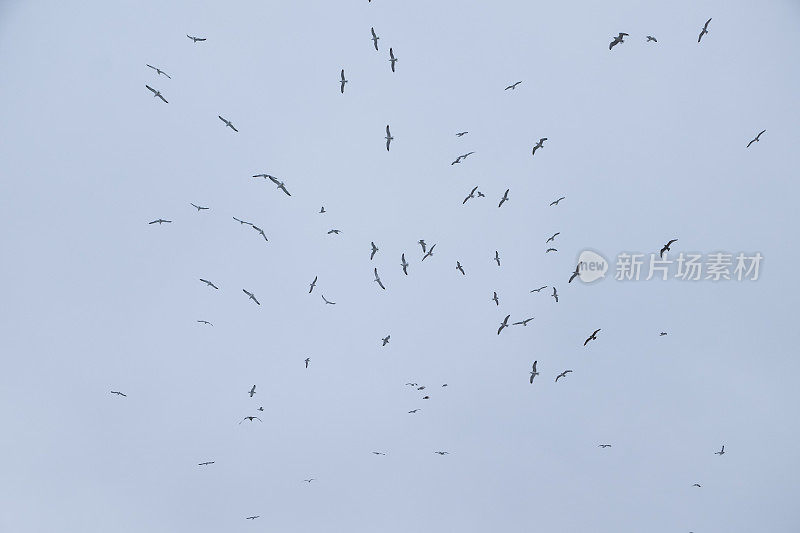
(553, 238)
(309, 480)
(196, 39)
(504, 199)
(523, 322)
(392, 59)
(757, 138)
(157, 94)
(206, 463)
(159, 71)
(662, 333)
(321, 209)
(667, 247)
(592, 337)
(378, 279)
(495, 299)
(422, 243)
(336, 231)
(251, 296)
(696, 485)
(460, 158)
(404, 264)
(722, 451)
(206, 322)
(497, 257)
(430, 252)
(252, 391)
(385, 340)
(308, 360)
(374, 251)
(260, 408)
(374, 38)
(261, 231)
(604, 446)
(389, 138)
(461, 133)
(252, 517)
(228, 123)
(555, 202)
(538, 145)
(250, 418)
(279, 183)
(460, 268)
(503, 324)
(704, 30)
(534, 373)
(342, 81)
(312, 285)
(555, 294)
(576, 273)
(562, 375)
(209, 283)
(119, 393)
(198, 207)
(550, 250)
(379, 453)
(442, 453)
(160, 221)
(513, 86)
(328, 301)
(651, 38)
(414, 411)
(617, 40)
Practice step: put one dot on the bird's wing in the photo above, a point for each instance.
(222, 119)
(164, 99)
(234, 128)
(283, 188)
(595, 332)
(531, 378)
(587, 341)
(705, 27)
(342, 74)
(151, 89)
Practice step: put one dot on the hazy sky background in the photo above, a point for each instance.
(647, 143)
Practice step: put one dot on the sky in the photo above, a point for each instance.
(646, 142)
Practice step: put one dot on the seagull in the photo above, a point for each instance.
(241, 221)
(119, 393)
(280, 184)
(497, 257)
(534, 373)
(553, 238)
(662, 333)
(426, 397)
(385, 340)
(460, 268)
(513, 86)
(252, 517)
(617, 40)
(251, 296)
(461, 158)
(555, 294)
(228, 123)
(756, 139)
(562, 375)
(206, 463)
(206, 322)
(160, 221)
(392, 59)
(312, 285)
(157, 94)
(388, 138)
(704, 30)
(576, 273)
(604, 446)
(538, 145)
(667, 247)
(327, 301)
(422, 243)
(461, 133)
(412, 384)
(252, 391)
(308, 360)
(260, 408)
(539, 289)
(421, 387)
(198, 207)
(321, 209)
(503, 324)
(442, 453)
(414, 411)
(374, 38)
(209, 283)
(430, 252)
(374, 250)
(550, 250)
(261, 231)
(309, 480)
(379, 453)
(336, 231)
(195, 39)
(378, 279)
(523, 322)
(445, 385)
(343, 81)
(496, 299)
(159, 71)
(404, 264)
(593, 336)
(250, 418)
(651, 38)
(697, 485)
(504, 199)
(555, 202)
(722, 451)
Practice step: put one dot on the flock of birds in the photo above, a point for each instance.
(427, 251)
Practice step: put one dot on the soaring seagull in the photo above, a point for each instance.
(562, 375)
(159, 71)
(617, 40)
(722, 451)
(460, 268)
(156, 94)
(592, 337)
(553, 238)
(374, 38)
(538, 145)
(495, 299)
(119, 393)
(250, 418)
(503, 324)
(379, 453)
(460, 158)
(523, 322)
(385, 340)
(374, 250)
(697, 485)
(576, 273)
(195, 39)
(555, 294)
(540, 288)
(328, 302)
(404, 264)
(312, 285)
(252, 517)
(251, 296)
(442, 453)
(389, 138)
(206, 322)
(336, 231)
(422, 243)
(309, 480)
(504, 199)
(651, 38)
(198, 207)
(555, 202)
(461, 133)
(209, 283)
(321, 209)
(704, 30)
(604, 446)
(378, 279)
(666, 247)
(392, 59)
(430, 252)
(252, 391)
(497, 257)
(279, 183)
(534, 373)
(758, 138)
(512, 86)
(308, 360)
(206, 463)
(550, 250)
(342, 81)
(160, 221)
(228, 123)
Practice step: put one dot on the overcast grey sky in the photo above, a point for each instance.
(646, 141)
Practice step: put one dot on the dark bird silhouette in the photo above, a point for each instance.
(495, 299)
(308, 360)
(279, 183)
(260, 231)
(374, 251)
(555, 294)
(206, 463)
(651, 38)
(385, 340)
(160, 221)
(562, 375)
(250, 418)
(538, 145)
(389, 138)
(497, 257)
(462, 157)
(539, 289)
(503, 324)
(321, 209)
(442, 453)
(604, 446)
(411, 412)
(662, 333)
(576, 273)
(430, 252)
(666, 247)
(336, 231)
(461, 133)
(251, 296)
(704, 30)
(513, 86)
(504, 199)
(328, 301)
(392, 59)
(722, 451)
(157, 94)
(252, 517)
(460, 268)
(374, 38)
(119, 393)
(379, 453)
(198, 207)
(209, 283)
(592, 337)
(696, 485)
(470, 195)
(378, 279)
(523, 322)
(196, 39)
(534, 373)
(312, 285)
(228, 123)
(342, 81)
(404, 264)
(617, 40)
(550, 250)
(252, 391)
(309, 480)
(555, 202)
(756, 139)
(422, 243)
(206, 322)
(553, 238)
(159, 71)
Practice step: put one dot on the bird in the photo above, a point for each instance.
(228, 123)
(157, 94)
(404, 264)
(697, 485)
(513, 86)
(378, 279)
(336, 231)
(617, 40)
(321, 209)
(342, 81)
(550, 250)
(539, 289)
(388, 138)
(445, 385)
(442, 453)
(757, 138)
(704, 30)
(261, 231)
(662, 333)
(260, 409)
(159, 71)
(460, 268)
(722, 451)
(374, 38)
(328, 301)
(412, 384)
(392, 59)
(198, 207)
(461, 133)
(119, 393)
(523, 322)
(422, 243)
(504, 199)
(160, 221)
(562, 375)
(555, 294)
(312, 285)
(308, 360)
(252, 391)
(206, 463)
(576, 273)
(426, 397)
(553, 238)
(309, 480)
(265, 176)
(206, 322)
(651, 38)
(385, 340)
(421, 387)
(379, 453)
(411, 412)
(497, 257)
(555, 202)
(241, 221)
(667, 247)
(195, 39)
(538, 145)
(495, 299)
(604, 446)
(374, 250)
(593, 336)
(503, 324)
(280, 184)
(252, 517)
(534, 373)
(250, 418)
(430, 252)
(251, 296)
(209, 283)
(461, 158)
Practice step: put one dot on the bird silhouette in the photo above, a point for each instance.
(513, 86)
(704, 30)
(666, 247)
(503, 324)
(617, 40)
(756, 139)
(592, 337)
